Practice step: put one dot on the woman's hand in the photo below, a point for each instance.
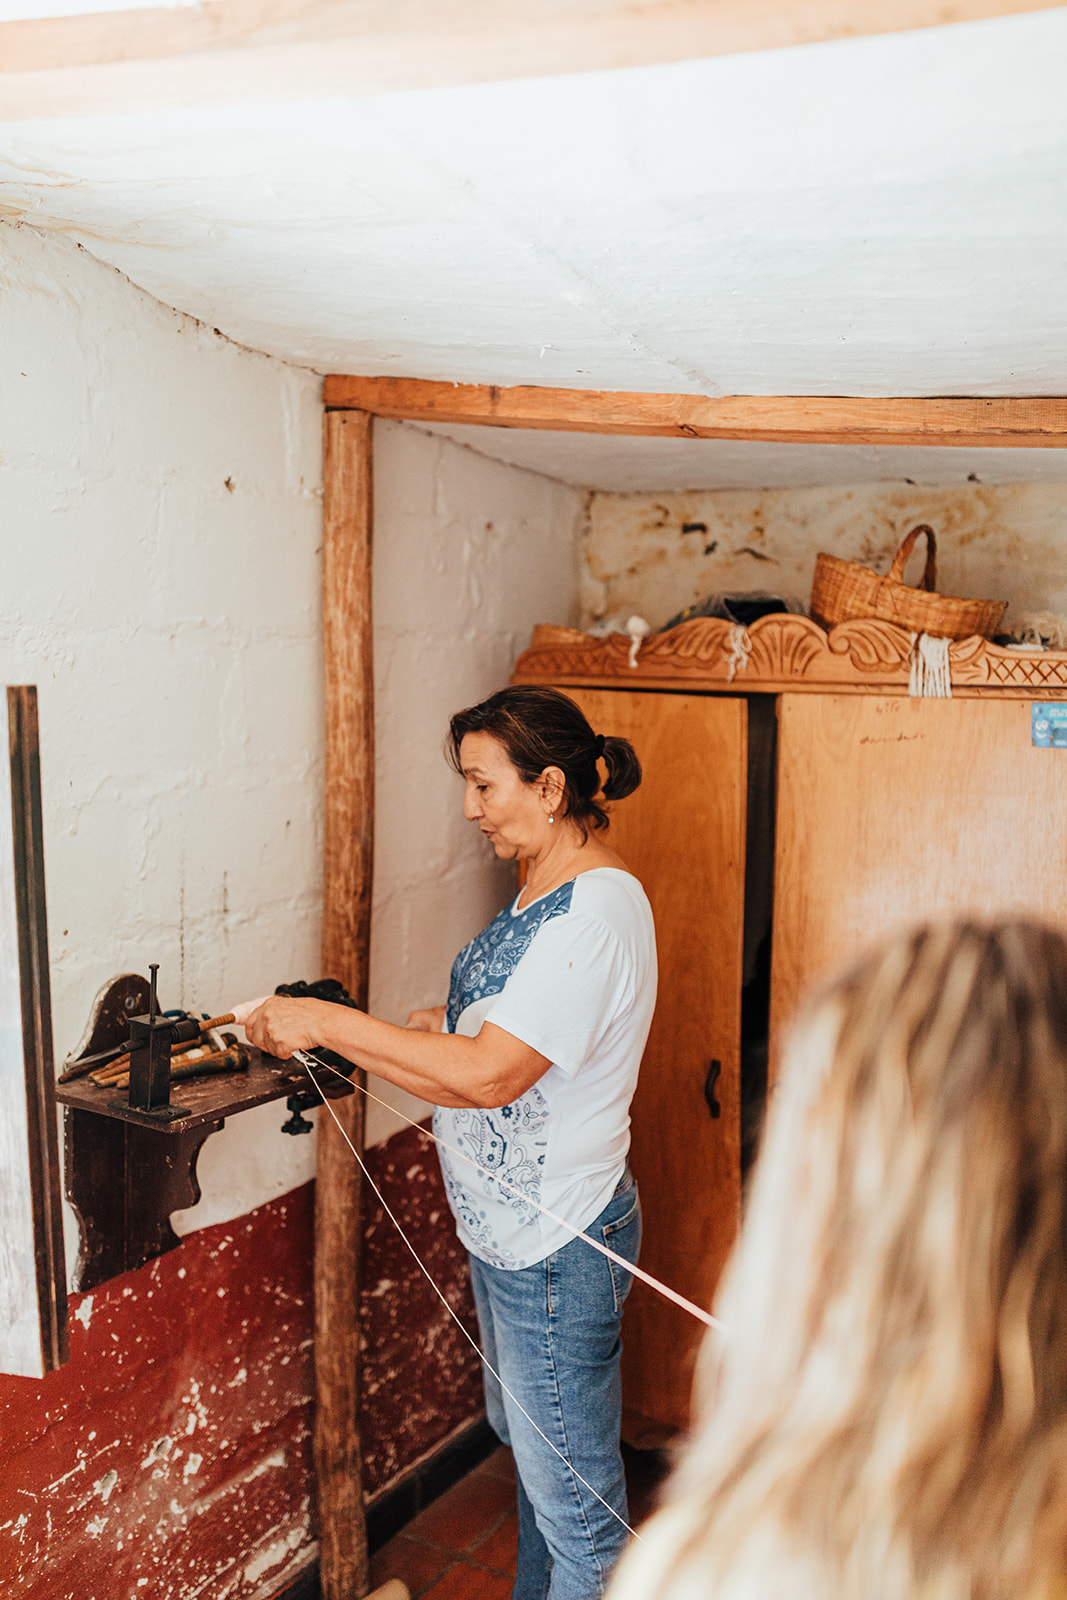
(432, 1020)
(283, 1024)
(445, 1068)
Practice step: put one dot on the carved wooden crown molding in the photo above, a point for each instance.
(778, 653)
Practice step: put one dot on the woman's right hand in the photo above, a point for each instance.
(432, 1020)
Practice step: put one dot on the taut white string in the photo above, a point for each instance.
(308, 1061)
(646, 1277)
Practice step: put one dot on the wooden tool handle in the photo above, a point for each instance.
(217, 1022)
(114, 1070)
(99, 1061)
(119, 1057)
(78, 1069)
(235, 1059)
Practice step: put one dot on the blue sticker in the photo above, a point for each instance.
(1048, 725)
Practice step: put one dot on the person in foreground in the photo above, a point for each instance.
(885, 1416)
(532, 1065)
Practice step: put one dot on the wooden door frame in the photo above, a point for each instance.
(994, 422)
(351, 404)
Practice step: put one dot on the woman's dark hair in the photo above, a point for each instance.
(541, 728)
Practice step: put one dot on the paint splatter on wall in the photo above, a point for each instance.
(656, 554)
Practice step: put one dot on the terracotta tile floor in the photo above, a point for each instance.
(463, 1546)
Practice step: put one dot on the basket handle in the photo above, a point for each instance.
(900, 560)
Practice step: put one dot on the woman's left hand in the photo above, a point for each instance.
(283, 1024)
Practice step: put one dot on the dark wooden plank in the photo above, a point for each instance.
(42, 1151)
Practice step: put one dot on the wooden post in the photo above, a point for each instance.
(349, 844)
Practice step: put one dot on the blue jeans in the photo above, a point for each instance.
(552, 1333)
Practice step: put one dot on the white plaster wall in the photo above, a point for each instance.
(160, 519)
(998, 542)
(469, 555)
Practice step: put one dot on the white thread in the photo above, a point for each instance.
(637, 1272)
(740, 648)
(306, 1060)
(242, 1012)
(930, 678)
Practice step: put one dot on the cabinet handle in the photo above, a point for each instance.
(709, 1088)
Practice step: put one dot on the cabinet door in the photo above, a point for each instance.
(892, 810)
(683, 834)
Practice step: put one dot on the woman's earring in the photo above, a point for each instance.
(551, 819)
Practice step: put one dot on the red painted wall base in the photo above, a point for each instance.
(421, 1376)
(172, 1457)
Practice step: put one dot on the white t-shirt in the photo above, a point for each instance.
(573, 975)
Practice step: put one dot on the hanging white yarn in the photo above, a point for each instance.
(739, 649)
(930, 678)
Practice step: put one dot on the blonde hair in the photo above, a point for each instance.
(887, 1412)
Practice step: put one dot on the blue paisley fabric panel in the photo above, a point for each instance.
(508, 1143)
(573, 976)
(484, 966)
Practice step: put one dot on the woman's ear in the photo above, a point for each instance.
(552, 785)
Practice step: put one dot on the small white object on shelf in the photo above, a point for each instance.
(639, 630)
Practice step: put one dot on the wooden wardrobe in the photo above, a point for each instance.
(798, 763)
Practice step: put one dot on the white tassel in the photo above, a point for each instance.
(740, 648)
(930, 678)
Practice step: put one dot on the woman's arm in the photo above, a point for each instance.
(447, 1069)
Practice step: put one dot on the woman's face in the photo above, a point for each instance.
(512, 814)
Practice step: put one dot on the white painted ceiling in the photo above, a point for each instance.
(879, 216)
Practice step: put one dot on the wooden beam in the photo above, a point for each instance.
(781, 419)
(229, 52)
(348, 867)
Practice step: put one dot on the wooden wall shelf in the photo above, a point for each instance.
(206, 1099)
(127, 1174)
(780, 653)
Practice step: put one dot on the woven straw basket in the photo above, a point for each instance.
(845, 592)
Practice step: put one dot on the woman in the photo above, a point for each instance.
(886, 1414)
(532, 1065)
